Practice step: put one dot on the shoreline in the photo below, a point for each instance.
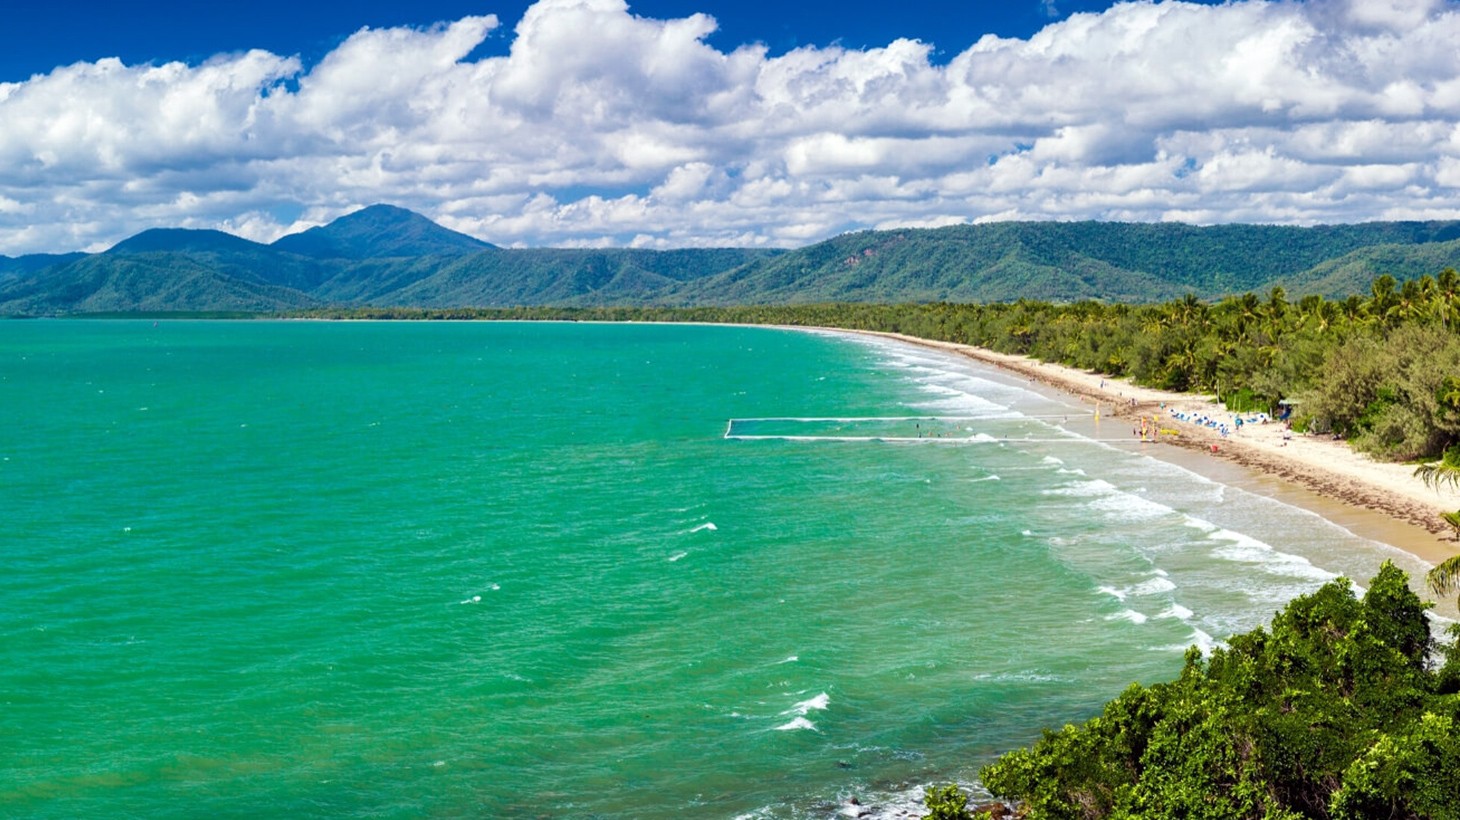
(1329, 470)
(1339, 482)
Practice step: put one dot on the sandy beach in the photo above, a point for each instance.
(1328, 468)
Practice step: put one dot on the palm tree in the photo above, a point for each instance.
(1447, 294)
(1277, 303)
(1437, 474)
(1410, 304)
(1381, 306)
(1354, 308)
(1445, 578)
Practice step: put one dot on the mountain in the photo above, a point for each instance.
(388, 256)
(167, 269)
(1064, 261)
(184, 240)
(550, 276)
(12, 267)
(105, 283)
(225, 254)
(380, 231)
(1355, 271)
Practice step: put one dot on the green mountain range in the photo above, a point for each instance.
(388, 256)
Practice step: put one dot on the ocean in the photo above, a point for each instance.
(431, 569)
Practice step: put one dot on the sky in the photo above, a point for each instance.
(688, 123)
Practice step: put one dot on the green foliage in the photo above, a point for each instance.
(1445, 577)
(386, 256)
(1387, 391)
(1452, 520)
(1411, 773)
(1442, 472)
(1335, 712)
(1245, 400)
(946, 803)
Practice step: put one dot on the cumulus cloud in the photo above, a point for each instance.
(603, 127)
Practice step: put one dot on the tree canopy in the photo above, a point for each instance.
(1335, 711)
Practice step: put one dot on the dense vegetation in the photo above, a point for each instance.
(386, 256)
(1069, 261)
(1335, 712)
(1383, 371)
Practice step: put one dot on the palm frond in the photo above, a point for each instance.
(1436, 474)
(1443, 579)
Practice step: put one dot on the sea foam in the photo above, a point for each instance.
(1129, 508)
(1248, 550)
(1158, 584)
(819, 702)
(1176, 611)
(800, 710)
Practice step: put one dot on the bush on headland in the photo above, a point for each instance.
(1345, 709)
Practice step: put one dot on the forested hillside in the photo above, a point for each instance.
(388, 256)
(1069, 261)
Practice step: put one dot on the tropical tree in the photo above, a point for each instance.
(1385, 297)
(1441, 473)
(1443, 579)
(1447, 295)
(1411, 302)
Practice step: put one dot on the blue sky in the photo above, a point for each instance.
(38, 36)
(680, 123)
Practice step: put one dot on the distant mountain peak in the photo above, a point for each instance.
(380, 231)
(156, 240)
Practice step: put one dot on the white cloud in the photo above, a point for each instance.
(602, 127)
(1395, 15)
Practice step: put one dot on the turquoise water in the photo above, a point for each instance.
(513, 570)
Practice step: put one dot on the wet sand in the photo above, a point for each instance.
(1376, 500)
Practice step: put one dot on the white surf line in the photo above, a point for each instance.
(870, 418)
(938, 440)
(853, 419)
(964, 440)
(976, 438)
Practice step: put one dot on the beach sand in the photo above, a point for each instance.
(1315, 472)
